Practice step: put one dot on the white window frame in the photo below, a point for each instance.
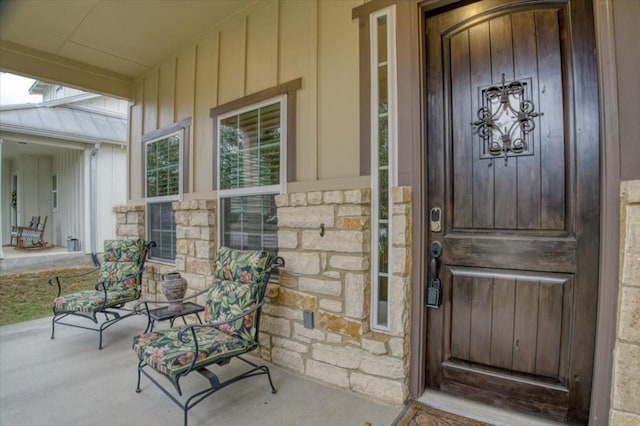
(279, 188)
(390, 13)
(181, 130)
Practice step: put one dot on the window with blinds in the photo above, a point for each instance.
(165, 150)
(251, 173)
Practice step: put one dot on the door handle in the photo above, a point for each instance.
(434, 291)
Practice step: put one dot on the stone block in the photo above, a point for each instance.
(339, 325)
(287, 239)
(290, 345)
(328, 373)
(349, 263)
(299, 199)
(201, 218)
(309, 334)
(272, 291)
(396, 344)
(333, 197)
(401, 194)
(352, 222)
(401, 260)
(286, 358)
(390, 391)
(265, 340)
(357, 196)
(208, 205)
(354, 295)
(383, 366)
(135, 217)
(631, 247)
(204, 250)
(330, 305)
(626, 378)
(629, 326)
(348, 241)
(276, 326)
(199, 266)
(282, 200)
(182, 246)
(401, 210)
(334, 338)
(624, 419)
(375, 343)
(181, 218)
(353, 210)
(296, 299)
(340, 356)
(332, 274)
(306, 217)
(314, 198)
(287, 280)
(326, 287)
(283, 312)
(302, 263)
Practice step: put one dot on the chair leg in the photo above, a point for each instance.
(53, 326)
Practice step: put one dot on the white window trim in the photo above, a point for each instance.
(393, 147)
(183, 134)
(179, 195)
(255, 190)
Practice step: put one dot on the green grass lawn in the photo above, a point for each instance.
(26, 296)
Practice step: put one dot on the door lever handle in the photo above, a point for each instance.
(434, 291)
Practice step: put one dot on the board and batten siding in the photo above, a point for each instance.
(269, 43)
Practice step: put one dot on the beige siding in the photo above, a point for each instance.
(272, 42)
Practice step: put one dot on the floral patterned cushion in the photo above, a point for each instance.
(246, 266)
(164, 352)
(91, 300)
(228, 299)
(121, 258)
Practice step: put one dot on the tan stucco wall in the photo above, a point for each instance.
(269, 44)
(625, 407)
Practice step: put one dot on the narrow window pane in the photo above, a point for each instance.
(162, 230)
(382, 39)
(250, 222)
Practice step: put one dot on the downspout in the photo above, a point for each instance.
(93, 196)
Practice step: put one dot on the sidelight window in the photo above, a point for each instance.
(383, 147)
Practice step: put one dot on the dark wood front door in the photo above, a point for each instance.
(512, 157)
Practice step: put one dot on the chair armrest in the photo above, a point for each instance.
(191, 328)
(190, 331)
(55, 280)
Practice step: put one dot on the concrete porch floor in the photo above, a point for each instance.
(69, 381)
(30, 260)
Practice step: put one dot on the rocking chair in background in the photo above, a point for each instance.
(119, 282)
(33, 232)
(232, 323)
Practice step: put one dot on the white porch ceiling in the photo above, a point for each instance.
(95, 40)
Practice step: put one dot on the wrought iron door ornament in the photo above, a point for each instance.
(504, 120)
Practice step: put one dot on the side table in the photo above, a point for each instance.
(163, 314)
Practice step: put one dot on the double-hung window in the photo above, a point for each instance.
(251, 154)
(165, 153)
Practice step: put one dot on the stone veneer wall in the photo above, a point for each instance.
(195, 244)
(329, 276)
(625, 407)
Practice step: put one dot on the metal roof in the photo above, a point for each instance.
(65, 122)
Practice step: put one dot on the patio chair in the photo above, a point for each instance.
(33, 232)
(230, 330)
(119, 282)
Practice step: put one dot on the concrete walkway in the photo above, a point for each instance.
(68, 381)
